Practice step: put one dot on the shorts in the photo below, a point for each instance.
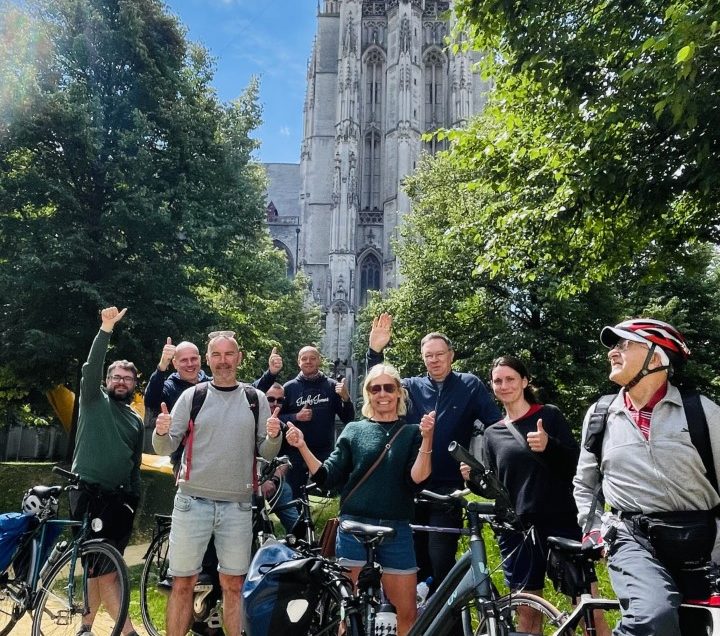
(195, 520)
(396, 555)
(525, 555)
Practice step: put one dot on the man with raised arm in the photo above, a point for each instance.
(108, 451)
(312, 401)
(458, 399)
(215, 481)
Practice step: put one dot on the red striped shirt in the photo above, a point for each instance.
(642, 417)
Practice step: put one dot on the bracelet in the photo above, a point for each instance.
(420, 450)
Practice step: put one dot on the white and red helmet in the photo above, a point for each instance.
(648, 331)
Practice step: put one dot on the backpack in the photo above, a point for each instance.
(13, 525)
(281, 592)
(697, 427)
(199, 395)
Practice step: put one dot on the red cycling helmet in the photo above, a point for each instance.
(648, 331)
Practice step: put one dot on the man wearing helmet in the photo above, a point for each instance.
(642, 454)
(108, 451)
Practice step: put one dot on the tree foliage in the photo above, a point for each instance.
(124, 181)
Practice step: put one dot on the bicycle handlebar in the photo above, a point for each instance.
(463, 455)
(73, 478)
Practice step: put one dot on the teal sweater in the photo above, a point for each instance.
(389, 491)
(109, 441)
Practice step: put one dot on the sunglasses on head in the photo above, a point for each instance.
(388, 388)
(277, 400)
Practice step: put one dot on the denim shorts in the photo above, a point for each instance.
(195, 520)
(396, 555)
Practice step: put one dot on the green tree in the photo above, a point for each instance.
(124, 181)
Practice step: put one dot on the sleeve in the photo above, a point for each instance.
(267, 447)
(92, 370)
(154, 389)
(712, 416)
(137, 460)
(484, 405)
(414, 441)
(344, 410)
(167, 444)
(338, 465)
(587, 481)
(372, 358)
(562, 450)
(265, 381)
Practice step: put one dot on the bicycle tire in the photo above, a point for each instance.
(153, 596)
(57, 614)
(328, 616)
(10, 610)
(507, 608)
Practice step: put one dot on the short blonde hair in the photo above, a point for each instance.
(376, 371)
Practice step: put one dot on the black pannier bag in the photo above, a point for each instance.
(570, 574)
(281, 592)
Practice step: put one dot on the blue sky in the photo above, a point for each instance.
(267, 38)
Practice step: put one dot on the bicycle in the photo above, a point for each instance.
(156, 583)
(697, 616)
(56, 590)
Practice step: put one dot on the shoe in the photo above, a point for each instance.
(85, 630)
(165, 585)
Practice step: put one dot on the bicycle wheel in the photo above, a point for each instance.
(155, 587)
(97, 581)
(508, 606)
(329, 615)
(10, 610)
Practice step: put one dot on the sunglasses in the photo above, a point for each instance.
(376, 388)
(274, 400)
(219, 334)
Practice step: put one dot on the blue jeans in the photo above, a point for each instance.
(195, 520)
(289, 516)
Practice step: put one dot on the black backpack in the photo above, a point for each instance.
(697, 427)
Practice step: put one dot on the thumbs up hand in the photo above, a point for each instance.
(163, 421)
(427, 424)
(294, 436)
(342, 391)
(538, 441)
(275, 362)
(168, 353)
(273, 424)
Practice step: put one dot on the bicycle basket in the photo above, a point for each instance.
(12, 527)
(280, 592)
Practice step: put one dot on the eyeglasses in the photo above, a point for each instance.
(624, 343)
(376, 388)
(275, 400)
(125, 379)
(435, 356)
(221, 334)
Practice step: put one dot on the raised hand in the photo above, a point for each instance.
(342, 391)
(168, 353)
(427, 425)
(163, 421)
(294, 436)
(273, 424)
(380, 332)
(275, 362)
(304, 414)
(538, 441)
(110, 316)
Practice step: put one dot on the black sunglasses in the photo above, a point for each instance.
(388, 388)
(270, 398)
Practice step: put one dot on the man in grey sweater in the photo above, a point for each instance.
(215, 482)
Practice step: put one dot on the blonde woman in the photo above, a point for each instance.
(385, 497)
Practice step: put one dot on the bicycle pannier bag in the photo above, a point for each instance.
(329, 536)
(12, 527)
(569, 575)
(280, 592)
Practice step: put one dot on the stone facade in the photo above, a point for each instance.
(379, 76)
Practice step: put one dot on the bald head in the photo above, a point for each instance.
(187, 361)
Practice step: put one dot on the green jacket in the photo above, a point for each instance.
(109, 440)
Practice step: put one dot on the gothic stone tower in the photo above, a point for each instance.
(379, 76)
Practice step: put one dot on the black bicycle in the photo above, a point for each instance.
(59, 585)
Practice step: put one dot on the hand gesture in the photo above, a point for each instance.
(163, 421)
(342, 391)
(294, 436)
(268, 489)
(273, 424)
(427, 425)
(304, 414)
(380, 332)
(275, 362)
(168, 353)
(538, 441)
(110, 316)
(465, 471)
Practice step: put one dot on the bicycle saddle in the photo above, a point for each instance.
(46, 491)
(366, 531)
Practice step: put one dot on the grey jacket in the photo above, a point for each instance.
(223, 447)
(662, 474)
